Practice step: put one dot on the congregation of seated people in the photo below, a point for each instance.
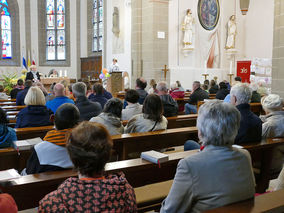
(85, 120)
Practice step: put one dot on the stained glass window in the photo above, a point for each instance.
(5, 31)
(55, 30)
(98, 25)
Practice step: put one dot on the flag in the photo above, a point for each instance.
(24, 63)
(33, 58)
(29, 59)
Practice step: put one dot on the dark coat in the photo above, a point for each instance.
(30, 76)
(34, 116)
(107, 95)
(142, 95)
(214, 89)
(198, 95)
(20, 99)
(250, 127)
(255, 97)
(222, 93)
(87, 108)
(170, 106)
(14, 93)
(98, 98)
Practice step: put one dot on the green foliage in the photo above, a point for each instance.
(9, 82)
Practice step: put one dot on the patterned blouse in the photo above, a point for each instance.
(110, 194)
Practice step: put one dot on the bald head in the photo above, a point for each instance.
(59, 90)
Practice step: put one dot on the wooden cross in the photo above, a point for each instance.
(165, 70)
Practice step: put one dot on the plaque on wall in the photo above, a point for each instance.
(208, 13)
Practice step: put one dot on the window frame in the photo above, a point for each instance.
(42, 31)
(13, 9)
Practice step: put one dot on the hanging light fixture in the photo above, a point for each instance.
(244, 5)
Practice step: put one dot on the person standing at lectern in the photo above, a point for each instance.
(33, 74)
(114, 67)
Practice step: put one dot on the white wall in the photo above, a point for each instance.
(124, 57)
(254, 38)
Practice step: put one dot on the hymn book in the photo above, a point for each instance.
(26, 144)
(9, 174)
(155, 157)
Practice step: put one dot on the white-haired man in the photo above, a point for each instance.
(197, 94)
(251, 126)
(169, 104)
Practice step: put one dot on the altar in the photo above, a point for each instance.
(47, 82)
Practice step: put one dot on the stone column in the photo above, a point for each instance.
(278, 49)
(149, 53)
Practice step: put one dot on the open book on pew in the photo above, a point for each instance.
(26, 144)
(155, 157)
(9, 174)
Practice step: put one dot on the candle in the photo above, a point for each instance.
(205, 67)
(60, 73)
(231, 67)
(65, 73)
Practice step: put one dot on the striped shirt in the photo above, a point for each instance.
(57, 137)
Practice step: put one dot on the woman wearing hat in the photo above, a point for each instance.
(33, 74)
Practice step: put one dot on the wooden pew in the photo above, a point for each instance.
(28, 190)
(10, 103)
(269, 202)
(7, 100)
(13, 108)
(32, 132)
(138, 142)
(178, 121)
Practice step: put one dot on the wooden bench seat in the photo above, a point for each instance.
(13, 108)
(32, 132)
(28, 190)
(269, 202)
(9, 103)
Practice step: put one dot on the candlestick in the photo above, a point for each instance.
(205, 67)
(60, 73)
(231, 67)
(65, 73)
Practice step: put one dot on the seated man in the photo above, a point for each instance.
(19, 87)
(251, 126)
(141, 84)
(219, 174)
(60, 98)
(197, 94)
(133, 107)
(51, 154)
(169, 104)
(87, 108)
(3, 95)
(20, 100)
(97, 95)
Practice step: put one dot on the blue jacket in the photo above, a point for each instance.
(57, 102)
(7, 136)
(107, 95)
(98, 98)
(33, 116)
(21, 97)
(250, 127)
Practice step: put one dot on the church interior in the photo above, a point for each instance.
(141, 106)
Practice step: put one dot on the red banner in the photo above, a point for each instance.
(243, 70)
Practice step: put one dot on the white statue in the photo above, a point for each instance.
(231, 33)
(187, 27)
(115, 22)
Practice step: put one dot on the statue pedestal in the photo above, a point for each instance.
(114, 83)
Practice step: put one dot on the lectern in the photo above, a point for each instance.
(114, 83)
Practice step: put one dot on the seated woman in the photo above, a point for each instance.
(152, 118)
(92, 191)
(273, 121)
(219, 174)
(35, 114)
(273, 126)
(7, 134)
(110, 117)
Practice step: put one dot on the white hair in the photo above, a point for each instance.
(35, 97)
(272, 103)
(242, 92)
(218, 123)
(79, 89)
(253, 86)
(174, 86)
(162, 86)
